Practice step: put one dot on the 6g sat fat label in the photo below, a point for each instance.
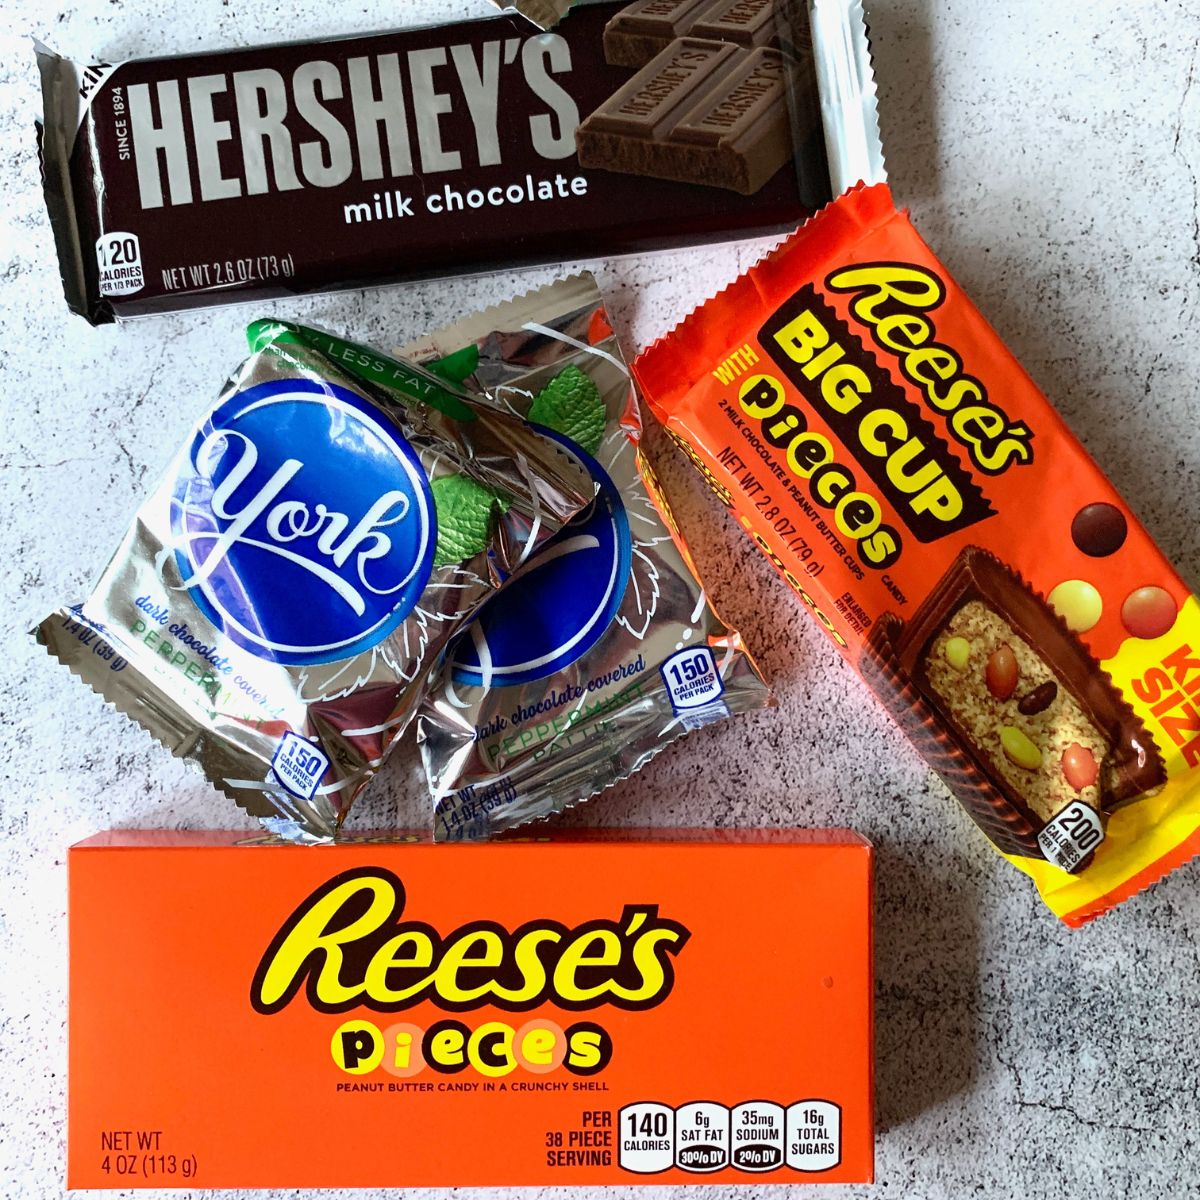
(755, 1136)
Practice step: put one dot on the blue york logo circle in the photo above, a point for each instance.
(556, 606)
(304, 526)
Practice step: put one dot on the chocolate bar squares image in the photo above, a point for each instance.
(716, 102)
(643, 30)
(1008, 706)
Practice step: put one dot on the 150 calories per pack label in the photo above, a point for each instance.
(754, 1136)
(692, 678)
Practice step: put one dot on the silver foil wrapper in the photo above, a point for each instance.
(602, 648)
(545, 14)
(274, 609)
(849, 98)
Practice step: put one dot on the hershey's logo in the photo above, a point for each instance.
(382, 116)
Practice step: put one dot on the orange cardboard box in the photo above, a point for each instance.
(588, 1008)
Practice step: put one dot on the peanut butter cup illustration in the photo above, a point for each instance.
(1012, 710)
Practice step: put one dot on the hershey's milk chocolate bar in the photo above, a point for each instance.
(248, 174)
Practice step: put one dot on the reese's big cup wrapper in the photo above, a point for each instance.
(274, 608)
(922, 498)
(602, 648)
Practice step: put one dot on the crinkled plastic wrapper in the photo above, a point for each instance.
(545, 14)
(273, 610)
(921, 497)
(602, 648)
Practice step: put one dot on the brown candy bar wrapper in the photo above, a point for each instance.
(922, 498)
(702, 110)
(258, 172)
(602, 648)
(644, 29)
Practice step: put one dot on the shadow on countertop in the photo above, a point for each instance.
(903, 55)
(927, 1008)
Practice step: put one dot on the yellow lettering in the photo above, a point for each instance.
(880, 548)
(901, 461)
(490, 1049)
(857, 515)
(530, 966)
(941, 499)
(832, 484)
(882, 421)
(537, 1047)
(807, 453)
(580, 953)
(903, 332)
(1014, 448)
(844, 386)
(941, 363)
(887, 281)
(391, 956)
(316, 932)
(347, 942)
(481, 950)
(802, 337)
(761, 397)
(585, 1049)
(647, 961)
(446, 1047)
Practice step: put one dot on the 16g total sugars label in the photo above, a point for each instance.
(755, 1136)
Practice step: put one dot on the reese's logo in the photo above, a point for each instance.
(889, 437)
(348, 946)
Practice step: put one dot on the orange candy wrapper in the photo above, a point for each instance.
(591, 1008)
(921, 497)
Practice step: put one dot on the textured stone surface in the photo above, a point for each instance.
(1051, 152)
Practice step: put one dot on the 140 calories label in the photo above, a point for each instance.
(755, 1136)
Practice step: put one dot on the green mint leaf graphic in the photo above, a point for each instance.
(571, 404)
(464, 518)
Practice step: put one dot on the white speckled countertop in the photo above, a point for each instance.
(1051, 153)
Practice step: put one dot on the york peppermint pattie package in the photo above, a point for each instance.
(274, 609)
(602, 647)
